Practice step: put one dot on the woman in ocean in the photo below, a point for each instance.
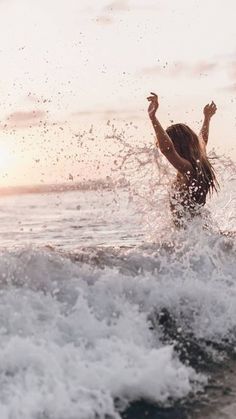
(187, 153)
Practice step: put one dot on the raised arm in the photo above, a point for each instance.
(209, 110)
(164, 141)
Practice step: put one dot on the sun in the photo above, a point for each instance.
(9, 165)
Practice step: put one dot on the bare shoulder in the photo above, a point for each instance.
(182, 165)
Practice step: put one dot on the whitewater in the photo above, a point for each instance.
(107, 311)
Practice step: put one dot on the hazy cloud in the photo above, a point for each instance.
(130, 5)
(118, 5)
(108, 113)
(180, 68)
(203, 68)
(104, 20)
(24, 119)
(230, 88)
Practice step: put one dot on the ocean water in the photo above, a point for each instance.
(106, 311)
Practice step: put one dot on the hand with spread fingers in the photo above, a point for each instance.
(153, 99)
(209, 110)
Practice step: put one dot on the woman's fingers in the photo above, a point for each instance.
(153, 98)
(213, 107)
(210, 108)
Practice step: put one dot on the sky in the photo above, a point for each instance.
(71, 68)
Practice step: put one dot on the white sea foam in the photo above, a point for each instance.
(74, 336)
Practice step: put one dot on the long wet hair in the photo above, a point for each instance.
(187, 145)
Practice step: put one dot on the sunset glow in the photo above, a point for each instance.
(6, 159)
(67, 66)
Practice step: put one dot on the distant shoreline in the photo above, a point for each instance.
(61, 187)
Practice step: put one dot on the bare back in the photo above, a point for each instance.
(188, 195)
